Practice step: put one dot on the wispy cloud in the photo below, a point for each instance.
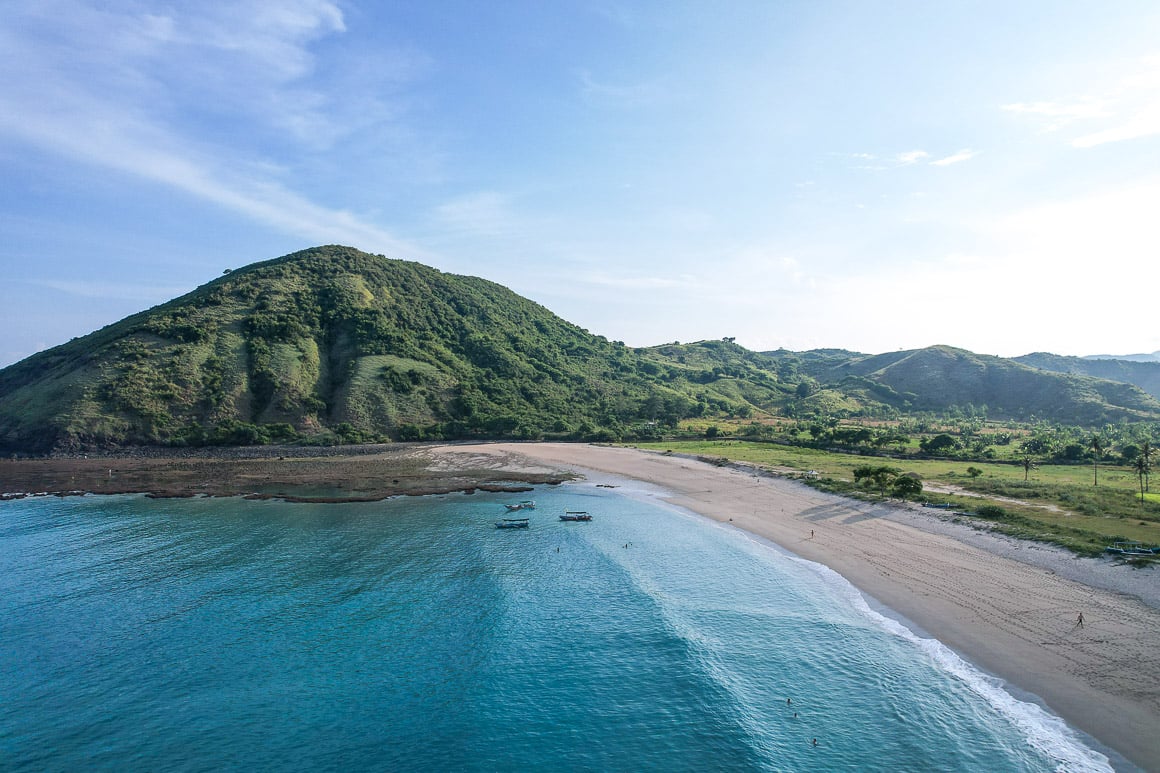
(114, 87)
(636, 95)
(1127, 108)
(1061, 113)
(639, 282)
(875, 163)
(963, 155)
(1145, 123)
(485, 213)
(121, 291)
(911, 157)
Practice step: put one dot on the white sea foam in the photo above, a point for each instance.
(1043, 730)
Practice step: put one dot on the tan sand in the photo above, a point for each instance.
(1012, 619)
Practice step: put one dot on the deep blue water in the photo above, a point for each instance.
(222, 634)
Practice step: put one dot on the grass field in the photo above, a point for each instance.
(1057, 503)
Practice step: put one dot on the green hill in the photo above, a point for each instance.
(335, 344)
(1144, 374)
(939, 378)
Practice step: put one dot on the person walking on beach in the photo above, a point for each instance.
(1079, 620)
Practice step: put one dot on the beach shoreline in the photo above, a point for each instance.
(1010, 608)
(1010, 617)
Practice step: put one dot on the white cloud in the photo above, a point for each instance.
(108, 88)
(1145, 123)
(485, 213)
(911, 157)
(121, 291)
(623, 282)
(962, 155)
(1062, 113)
(1127, 108)
(876, 163)
(120, 143)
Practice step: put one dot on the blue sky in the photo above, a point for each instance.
(870, 176)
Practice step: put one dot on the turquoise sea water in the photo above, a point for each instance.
(223, 634)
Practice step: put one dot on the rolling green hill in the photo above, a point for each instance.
(335, 344)
(1143, 374)
(938, 378)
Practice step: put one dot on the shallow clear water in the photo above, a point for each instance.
(215, 634)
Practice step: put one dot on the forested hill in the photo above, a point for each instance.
(939, 378)
(1144, 374)
(333, 345)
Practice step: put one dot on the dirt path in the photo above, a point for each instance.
(949, 488)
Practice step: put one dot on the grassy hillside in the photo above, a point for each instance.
(332, 344)
(335, 345)
(939, 378)
(1143, 374)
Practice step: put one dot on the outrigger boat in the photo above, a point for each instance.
(575, 515)
(1130, 548)
(527, 504)
(512, 523)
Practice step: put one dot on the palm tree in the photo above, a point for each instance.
(1140, 465)
(1147, 452)
(1028, 466)
(1097, 447)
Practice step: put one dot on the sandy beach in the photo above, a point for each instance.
(1013, 618)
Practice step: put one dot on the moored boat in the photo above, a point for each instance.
(576, 515)
(512, 523)
(527, 504)
(1130, 548)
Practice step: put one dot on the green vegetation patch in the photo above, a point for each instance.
(1064, 508)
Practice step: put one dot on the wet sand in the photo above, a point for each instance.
(1014, 619)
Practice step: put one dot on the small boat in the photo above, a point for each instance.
(527, 504)
(512, 523)
(1130, 548)
(575, 515)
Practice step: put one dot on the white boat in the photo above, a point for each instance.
(527, 504)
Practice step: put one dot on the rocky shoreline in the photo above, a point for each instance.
(289, 473)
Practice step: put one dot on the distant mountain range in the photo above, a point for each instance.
(1153, 357)
(938, 378)
(335, 345)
